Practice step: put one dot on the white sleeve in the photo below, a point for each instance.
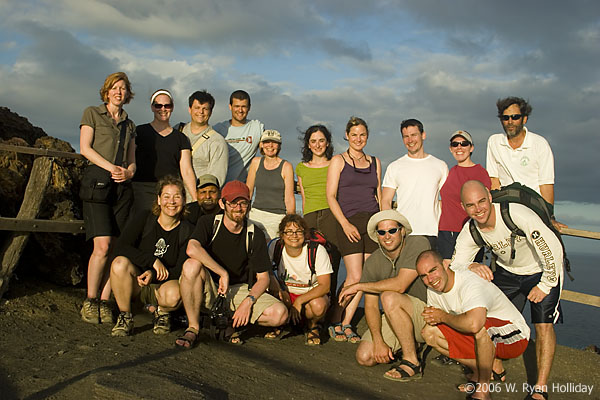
(322, 262)
(388, 178)
(491, 164)
(465, 249)
(546, 164)
(544, 242)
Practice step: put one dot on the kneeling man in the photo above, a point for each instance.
(470, 320)
(230, 247)
(389, 274)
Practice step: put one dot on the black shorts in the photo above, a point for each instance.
(365, 245)
(107, 219)
(517, 287)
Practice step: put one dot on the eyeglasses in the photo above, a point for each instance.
(242, 204)
(158, 106)
(294, 233)
(392, 231)
(514, 117)
(461, 144)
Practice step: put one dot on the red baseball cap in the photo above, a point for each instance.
(234, 190)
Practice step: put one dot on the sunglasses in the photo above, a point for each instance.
(461, 144)
(514, 117)
(158, 106)
(382, 232)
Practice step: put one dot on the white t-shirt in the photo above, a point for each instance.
(294, 271)
(539, 251)
(470, 291)
(243, 144)
(532, 164)
(417, 182)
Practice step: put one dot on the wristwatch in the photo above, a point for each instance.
(252, 298)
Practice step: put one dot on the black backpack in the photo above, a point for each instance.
(521, 194)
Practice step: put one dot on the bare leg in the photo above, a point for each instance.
(545, 346)
(354, 264)
(97, 268)
(315, 310)
(275, 315)
(191, 287)
(124, 275)
(398, 310)
(168, 296)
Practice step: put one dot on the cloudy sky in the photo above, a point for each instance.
(304, 61)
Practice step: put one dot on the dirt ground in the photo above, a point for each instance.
(46, 351)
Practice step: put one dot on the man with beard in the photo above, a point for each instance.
(389, 275)
(520, 155)
(208, 193)
(229, 247)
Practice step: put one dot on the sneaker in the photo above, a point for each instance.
(106, 312)
(90, 311)
(162, 322)
(124, 325)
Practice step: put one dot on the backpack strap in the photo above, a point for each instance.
(203, 138)
(180, 126)
(476, 235)
(277, 252)
(313, 246)
(249, 232)
(510, 224)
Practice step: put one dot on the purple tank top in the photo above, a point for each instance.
(357, 189)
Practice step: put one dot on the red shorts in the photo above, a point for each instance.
(293, 297)
(510, 342)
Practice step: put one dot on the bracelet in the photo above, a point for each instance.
(252, 298)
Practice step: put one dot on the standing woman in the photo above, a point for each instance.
(160, 151)
(273, 180)
(353, 194)
(106, 140)
(453, 216)
(317, 151)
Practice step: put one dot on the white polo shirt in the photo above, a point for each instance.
(532, 164)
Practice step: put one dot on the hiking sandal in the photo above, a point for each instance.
(351, 337)
(338, 336)
(313, 336)
(404, 375)
(536, 390)
(188, 339)
(275, 333)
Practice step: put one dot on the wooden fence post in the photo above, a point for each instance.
(32, 201)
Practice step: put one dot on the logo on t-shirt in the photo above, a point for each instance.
(161, 248)
(535, 235)
(524, 161)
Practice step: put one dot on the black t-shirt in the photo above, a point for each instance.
(143, 240)
(194, 211)
(229, 250)
(156, 155)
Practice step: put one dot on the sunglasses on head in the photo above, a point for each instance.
(382, 232)
(514, 117)
(158, 106)
(461, 144)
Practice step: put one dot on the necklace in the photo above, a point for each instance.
(355, 159)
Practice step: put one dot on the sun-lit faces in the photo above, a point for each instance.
(270, 148)
(161, 112)
(293, 236)
(318, 143)
(208, 197)
(390, 242)
(237, 209)
(239, 111)
(513, 127)
(200, 112)
(413, 140)
(118, 93)
(171, 200)
(461, 153)
(477, 203)
(357, 137)
(432, 273)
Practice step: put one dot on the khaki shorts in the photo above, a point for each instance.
(388, 334)
(235, 295)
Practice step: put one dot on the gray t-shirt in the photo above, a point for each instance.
(378, 267)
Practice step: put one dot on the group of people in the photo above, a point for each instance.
(191, 214)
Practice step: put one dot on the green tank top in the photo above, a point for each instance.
(314, 182)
